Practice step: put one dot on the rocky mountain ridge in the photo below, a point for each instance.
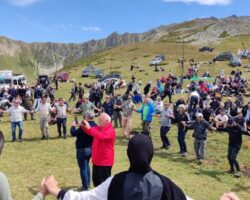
(199, 31)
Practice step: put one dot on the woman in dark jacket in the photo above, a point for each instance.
(83, 149)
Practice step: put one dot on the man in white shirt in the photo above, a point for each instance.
(194, 99)
(44, 110)
(221, 119)
(61, 118)
(16, 119)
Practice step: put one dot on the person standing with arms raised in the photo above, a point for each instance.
(103, 147)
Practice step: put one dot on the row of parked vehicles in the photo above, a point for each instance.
(91, 71)
(7, 77)
(234, 60)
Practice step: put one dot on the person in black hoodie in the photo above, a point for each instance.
(140, 182)
(235, 132)
(83, 149)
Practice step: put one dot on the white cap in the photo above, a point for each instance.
(199, 115)
(182, 106)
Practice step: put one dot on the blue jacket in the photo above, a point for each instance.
(151, 111)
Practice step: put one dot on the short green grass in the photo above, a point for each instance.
(26, 163)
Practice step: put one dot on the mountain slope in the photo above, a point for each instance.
(22, 57)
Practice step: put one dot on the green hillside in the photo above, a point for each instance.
(119, 59)
(25, 164)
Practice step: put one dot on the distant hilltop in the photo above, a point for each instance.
(26, 56)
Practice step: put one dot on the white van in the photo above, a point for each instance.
(19, 79)
(5, 78)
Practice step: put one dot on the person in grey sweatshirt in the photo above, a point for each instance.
(201, 128)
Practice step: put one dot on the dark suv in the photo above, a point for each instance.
(223, 56)
(206, 48)
(43, 80)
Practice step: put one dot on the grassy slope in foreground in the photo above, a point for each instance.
(25, 164)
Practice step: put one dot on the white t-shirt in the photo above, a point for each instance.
(44, 110)
(222, 118)
(16, 113)
(61, 111)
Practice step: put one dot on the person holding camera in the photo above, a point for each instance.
(83, 148)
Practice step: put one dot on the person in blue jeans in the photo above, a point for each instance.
(15, 112)
(182, 118)
(83, 149)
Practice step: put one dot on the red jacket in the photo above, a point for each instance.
(103, 145)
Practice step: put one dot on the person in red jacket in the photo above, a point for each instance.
(102, 149)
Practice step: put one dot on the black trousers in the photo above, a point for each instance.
(233, 151)
(100, 174)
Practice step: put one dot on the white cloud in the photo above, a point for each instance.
(91, 28)
(76, 27)
(204, 2)
(22, 3)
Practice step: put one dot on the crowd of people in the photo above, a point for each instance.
(203, 110)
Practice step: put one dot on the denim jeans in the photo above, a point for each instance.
(199, 147)
(193, 102)
(61, 122)
(181, 140)
(163, 131)
(13, 130)
(83, 156)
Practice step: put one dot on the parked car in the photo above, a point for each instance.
(88, 69)
(158, 59)
(62, 76)
(6, 77)
(162, 57)
(43, 80)
(19, 79)
(115, 75)
(206, 48)
(244, 54)
(114, 80)
(235, 62)
(224, 56)
(98, 73)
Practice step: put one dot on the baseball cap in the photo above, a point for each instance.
(182, 106)
(199, 115)
(90, 115)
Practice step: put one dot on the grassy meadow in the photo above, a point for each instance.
(26, 163)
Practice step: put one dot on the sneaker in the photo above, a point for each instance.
(185, 154)
(237, 174)
(64, 137)
(43, 138)
(200, 161)
(20, 140)
(168, 147)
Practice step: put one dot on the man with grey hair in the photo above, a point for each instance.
(103, 147)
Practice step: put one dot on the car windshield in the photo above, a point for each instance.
(7, 81)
